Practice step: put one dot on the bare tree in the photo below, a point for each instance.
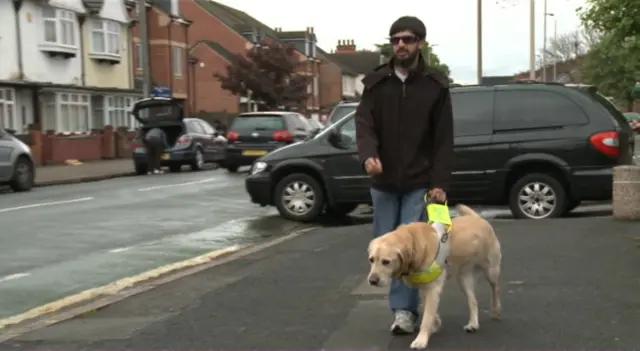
(569, 46)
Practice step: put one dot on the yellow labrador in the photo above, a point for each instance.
(413, 248)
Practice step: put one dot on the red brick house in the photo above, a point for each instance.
(221, 26)
(356, 61)
(168, 34)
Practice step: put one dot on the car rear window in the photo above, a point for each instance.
(341, 111)
(258, 122)
(616, 115)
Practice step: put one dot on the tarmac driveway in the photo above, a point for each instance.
(566, 284)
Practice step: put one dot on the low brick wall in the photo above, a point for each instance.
(626, 192)
(55, 148)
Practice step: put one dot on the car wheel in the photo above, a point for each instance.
(175, 168)
(537, 196)
(299, 197)
(23, 176)
(198, 161)
(141, 168)
(340, 210)
(231, 169)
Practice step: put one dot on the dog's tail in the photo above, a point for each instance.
(466, 211)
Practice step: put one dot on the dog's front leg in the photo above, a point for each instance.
(430, 294)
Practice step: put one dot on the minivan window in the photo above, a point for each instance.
(259, 122)
(472, 112)
(341, 111)
(617, 116)
(194, 127)
(531, 109)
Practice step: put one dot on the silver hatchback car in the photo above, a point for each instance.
(17, 168)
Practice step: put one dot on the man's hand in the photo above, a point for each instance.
(437, 195)
(373, 166)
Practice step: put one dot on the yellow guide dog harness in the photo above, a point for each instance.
(440, 220)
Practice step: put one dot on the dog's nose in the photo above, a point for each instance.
(374, 281)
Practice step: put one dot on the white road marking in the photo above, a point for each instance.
(42, 204)
(121, 249)
(13, 276)
(179, 184)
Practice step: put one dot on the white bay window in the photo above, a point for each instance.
(59, 27)
(8, 118)
(118, 108)
(74, 113)
(105, 38)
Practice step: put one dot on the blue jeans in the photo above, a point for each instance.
(389, 211)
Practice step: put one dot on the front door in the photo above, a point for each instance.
(346, 178)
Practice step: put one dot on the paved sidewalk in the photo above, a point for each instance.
(86, 172)
(566, 284)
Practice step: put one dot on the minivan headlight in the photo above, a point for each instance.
(258, 167)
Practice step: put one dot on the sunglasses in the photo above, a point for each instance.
(407, 39)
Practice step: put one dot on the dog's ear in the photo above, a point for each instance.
(404, 257)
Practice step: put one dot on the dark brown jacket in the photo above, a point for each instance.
(408, 126)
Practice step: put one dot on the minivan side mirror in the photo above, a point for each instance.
(11, 131)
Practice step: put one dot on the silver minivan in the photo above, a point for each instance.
(17, 168)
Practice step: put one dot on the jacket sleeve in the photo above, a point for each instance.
(366, 136)
(442, 135)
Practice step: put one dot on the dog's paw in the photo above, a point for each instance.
(420, 342)
(471, 328)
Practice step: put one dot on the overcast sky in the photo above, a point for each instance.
(451, 25)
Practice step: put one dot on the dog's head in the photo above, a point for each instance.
(387, 259)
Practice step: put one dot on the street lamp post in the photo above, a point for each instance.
(479, 33)
(532, 39)
(544, 44)
(555, 39)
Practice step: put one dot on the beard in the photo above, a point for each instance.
(407, 61)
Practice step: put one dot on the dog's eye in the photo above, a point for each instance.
(371, 259)
(385, 262)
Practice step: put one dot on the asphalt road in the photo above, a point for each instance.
(567, 284)
(56, 241)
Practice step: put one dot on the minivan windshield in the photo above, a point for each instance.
(340, 111)
(334, 126)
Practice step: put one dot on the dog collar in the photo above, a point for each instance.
(440, 261)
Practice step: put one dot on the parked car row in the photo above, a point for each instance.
(540, 148)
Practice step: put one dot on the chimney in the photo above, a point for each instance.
(311, 30)
(346, 46)
(277, 29)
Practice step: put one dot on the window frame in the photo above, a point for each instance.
(70, 101)
(6, 105)
(177, 58)
(117, 111)
(62, 20)
(111, 36)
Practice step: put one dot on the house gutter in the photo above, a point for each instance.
(83, 63)
(170, 55)
(17, 4)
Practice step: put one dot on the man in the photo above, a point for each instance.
(155, 141)
(404, 131)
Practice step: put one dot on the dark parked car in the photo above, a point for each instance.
(540, 148)
(191, 141)
(16, 162)
(342, 109)
(255, 134)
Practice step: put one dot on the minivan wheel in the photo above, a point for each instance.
(537, 196)
(198, 161)
(231, 168)
(23, 176)
(299, 197)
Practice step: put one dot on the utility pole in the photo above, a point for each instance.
(544, 44)
(479, 33)
(555, 39)
(144, 48)
(532, 39)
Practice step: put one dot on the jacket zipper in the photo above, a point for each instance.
(400, 118)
